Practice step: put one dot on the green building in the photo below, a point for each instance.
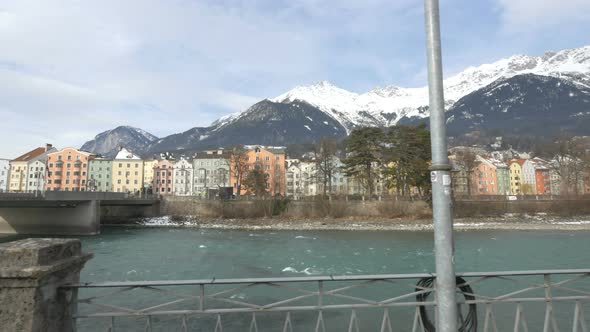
(503, 174)
(100, 174)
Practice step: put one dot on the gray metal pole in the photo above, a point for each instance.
(441, 178)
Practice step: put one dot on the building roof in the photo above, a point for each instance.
(78, 151)
(271, 149)
(517, 161)
(492, 161)
(207, 155)
(31, 154)
(126, 155)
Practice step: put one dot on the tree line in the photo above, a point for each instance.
(399, 156)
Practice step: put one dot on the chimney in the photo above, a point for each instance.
(48, 147)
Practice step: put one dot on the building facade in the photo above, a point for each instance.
(163, 177)
(148, 175)
(294, 188)
(271, 160)
(4, 174)
(211, 172)
(100, 171)
(37, 171)
(485, 177)
(459, 180)
(183, 178)
(529, 179)
(516, 176)
(490, 177)
(127, 173)
(67, 170)
(503, 175)
(543, 181)
(19, 169)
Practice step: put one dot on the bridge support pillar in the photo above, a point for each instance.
(31, 273)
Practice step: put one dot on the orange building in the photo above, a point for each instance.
(272, 162)
(543, 181)
(67, 170)
(485, 178)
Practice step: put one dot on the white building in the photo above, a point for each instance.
(211, 172)
(183, 178)
(4, 170)
(294, 186)
(301, 179)
(36, 171)
(529, 183)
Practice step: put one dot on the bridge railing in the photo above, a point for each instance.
(548, 300)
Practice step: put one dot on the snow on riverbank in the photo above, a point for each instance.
(539, 221)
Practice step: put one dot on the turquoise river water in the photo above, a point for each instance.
(133, 254)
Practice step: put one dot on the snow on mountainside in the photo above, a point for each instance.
(386, 106)
(106, 143)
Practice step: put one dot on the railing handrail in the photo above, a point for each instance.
(228, 281)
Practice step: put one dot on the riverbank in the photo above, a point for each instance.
(539, 221)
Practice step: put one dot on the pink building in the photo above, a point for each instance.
(163, 177)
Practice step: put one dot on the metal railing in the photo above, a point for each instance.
(548, 300)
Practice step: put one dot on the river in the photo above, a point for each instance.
(130, 254)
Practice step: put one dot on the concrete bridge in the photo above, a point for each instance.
(70, 213)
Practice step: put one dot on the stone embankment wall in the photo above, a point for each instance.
(185, 206)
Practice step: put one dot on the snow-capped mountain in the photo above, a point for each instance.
(526, 105)
(106, 143)
(386, 106)
(308, 113)
(266, 123)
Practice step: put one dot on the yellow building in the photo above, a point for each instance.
(516, 176)
(17, 181)
(127, 173)
(148, 172)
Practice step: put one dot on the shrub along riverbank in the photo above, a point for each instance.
(339, 209)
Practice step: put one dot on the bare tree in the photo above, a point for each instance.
(467, 159)
(326, 164)
(238, 160)
(569, 163)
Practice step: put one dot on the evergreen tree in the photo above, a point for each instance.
(256, 182)
(364, 157)
(407, 154)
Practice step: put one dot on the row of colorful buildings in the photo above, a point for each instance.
(533, 176)
(49, 169)
(214, 172)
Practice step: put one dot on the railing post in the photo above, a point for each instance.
(440, 177)
(31, 274)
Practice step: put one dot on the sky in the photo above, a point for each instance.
(70, 69)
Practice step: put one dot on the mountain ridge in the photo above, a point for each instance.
(345, 110)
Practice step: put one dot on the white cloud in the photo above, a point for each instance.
(533, 15)
(70, 69)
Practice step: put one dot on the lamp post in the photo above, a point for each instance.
(446, 302)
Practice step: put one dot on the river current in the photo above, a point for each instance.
(160, 253)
